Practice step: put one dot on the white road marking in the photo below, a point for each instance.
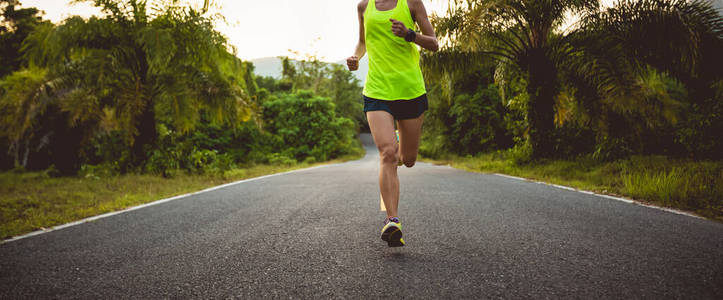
(89, 219)
(630, 201)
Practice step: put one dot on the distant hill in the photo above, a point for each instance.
(267, 66)
(271, 66)
(361, 74)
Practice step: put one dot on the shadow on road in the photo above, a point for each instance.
(395, 256)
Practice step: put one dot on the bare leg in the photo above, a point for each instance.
(410, 132)
(381, 124)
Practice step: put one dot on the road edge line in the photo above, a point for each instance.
(621, 199)
(160, 201)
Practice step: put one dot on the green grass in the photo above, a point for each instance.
(32, 200)
(693, 186)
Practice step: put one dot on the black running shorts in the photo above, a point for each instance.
(399, 109)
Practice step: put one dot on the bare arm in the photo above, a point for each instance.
(361, 46)
(428, 39)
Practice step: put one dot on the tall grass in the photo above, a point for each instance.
(695, 186)
(666, 187)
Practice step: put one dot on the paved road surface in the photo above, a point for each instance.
(314, 233)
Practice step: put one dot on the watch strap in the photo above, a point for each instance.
(411, 36)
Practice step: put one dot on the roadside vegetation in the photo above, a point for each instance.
(148, 101)
(626, 99)
(36, 200)
(693, 186)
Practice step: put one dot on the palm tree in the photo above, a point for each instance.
(524, 34)
(23, 100)
(608, 51)
(135, 66)
(681, 37)
(645, 63)
(15, 25)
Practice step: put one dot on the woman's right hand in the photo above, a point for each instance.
(353, 63)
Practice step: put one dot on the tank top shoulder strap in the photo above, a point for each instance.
(404, 6)
(371, 6)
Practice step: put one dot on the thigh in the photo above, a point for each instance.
(410, 132)
(381, 124)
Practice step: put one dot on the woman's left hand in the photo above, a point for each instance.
(398, 28)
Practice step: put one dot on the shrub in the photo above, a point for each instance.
(98, 171)
(303, 125)
(521, 153)
(609, 149)
(280, 159)
(478, 122)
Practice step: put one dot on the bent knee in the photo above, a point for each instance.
(388, 154)
(409, 162)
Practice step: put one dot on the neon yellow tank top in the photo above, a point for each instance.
(394, 72)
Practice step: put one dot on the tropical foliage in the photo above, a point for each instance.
(307, 127)
(16, 24)
(328, 80)
(153, 87)
(642, 76)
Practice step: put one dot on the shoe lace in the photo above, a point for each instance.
(392, 219)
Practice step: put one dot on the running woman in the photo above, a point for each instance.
(394, 90)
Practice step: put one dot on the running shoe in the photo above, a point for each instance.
(392, 232)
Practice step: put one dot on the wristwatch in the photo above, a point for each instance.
(411, 36)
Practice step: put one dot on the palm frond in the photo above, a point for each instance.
(672, 35)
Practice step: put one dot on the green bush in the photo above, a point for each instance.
(521, 153)
(609, 149)
(223, 163)
(200, 159)
(303, 125)
(697, 133)
(478, 122)
(164, 162)
(470, 123)
(433, 145)
(572, 140)
(98, 171)
(280, 159)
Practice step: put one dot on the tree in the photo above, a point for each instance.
(522, 33)
(652, 65)
(609, 53)
(326, 80)
(306, 74)
(304, 125)
(345, 90)
(138, 67)
(23, 101)
(15, 26)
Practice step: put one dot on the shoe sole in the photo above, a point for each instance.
(393, 237)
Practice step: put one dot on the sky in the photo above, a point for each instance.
(263, 28)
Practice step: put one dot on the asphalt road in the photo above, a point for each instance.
(315, 233)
